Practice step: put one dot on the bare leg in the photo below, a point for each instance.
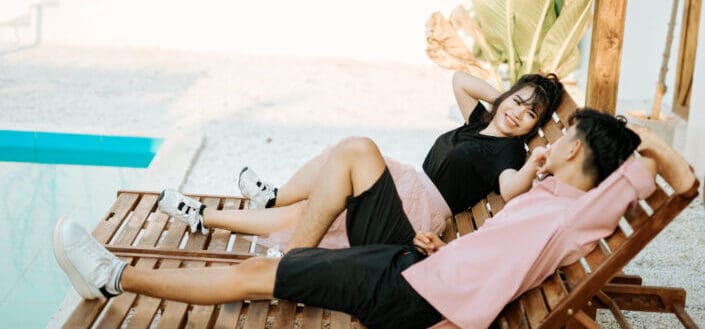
(251, 279)
(254, 221)
(352, 167)
(298, 187)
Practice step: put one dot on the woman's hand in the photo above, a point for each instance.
(513, 182)
(429, 242)
(538, 159)
(468, 90)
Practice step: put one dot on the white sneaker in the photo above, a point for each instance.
(260, 193)
(182, 208)
(93, 270)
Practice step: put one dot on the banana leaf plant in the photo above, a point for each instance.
(527, 36)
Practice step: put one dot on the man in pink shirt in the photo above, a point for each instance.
(466, 282)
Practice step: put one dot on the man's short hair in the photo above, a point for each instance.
(609, 142)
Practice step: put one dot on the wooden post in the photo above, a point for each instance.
(686, 57)
(605, 54)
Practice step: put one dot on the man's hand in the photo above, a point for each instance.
(662, 158)
(428, 241)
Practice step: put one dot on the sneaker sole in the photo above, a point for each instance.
(81, 286)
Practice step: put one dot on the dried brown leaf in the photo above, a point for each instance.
(448, 50)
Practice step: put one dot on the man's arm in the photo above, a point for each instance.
(469, 90)
(671, 165)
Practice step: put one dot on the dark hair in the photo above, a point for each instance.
(609, 142)
(547, 96)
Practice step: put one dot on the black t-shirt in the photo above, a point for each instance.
(465, 165)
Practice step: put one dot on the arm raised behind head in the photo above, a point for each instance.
(469, 90)
(667, 162)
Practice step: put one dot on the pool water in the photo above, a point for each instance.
(65, 148)
(33, 198)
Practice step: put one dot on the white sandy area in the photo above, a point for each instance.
(274, 113)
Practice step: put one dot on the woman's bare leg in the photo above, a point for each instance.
(292, 198)
(352, 167)
(255, 221)
(298, 187)
(251, 279)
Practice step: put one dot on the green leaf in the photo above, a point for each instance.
(496, 20)
(558, 6)
(564, 35)
(536, 18)
(569, 65)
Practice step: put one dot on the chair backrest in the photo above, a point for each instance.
(568, 290)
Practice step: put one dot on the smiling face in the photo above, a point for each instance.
(516, 116)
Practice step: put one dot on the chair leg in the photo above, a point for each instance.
(646, 299)
(616, 312)
(581, 321)
(683, 316)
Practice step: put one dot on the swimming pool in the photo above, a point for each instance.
(81, 149)
(34, 195)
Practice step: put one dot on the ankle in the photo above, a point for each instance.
(114, 286)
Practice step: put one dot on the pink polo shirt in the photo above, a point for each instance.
(471, 279)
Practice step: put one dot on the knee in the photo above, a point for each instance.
(357, 147)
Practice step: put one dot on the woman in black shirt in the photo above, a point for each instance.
(485, 154)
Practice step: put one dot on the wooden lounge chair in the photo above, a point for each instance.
(572, 295)
(136, 231)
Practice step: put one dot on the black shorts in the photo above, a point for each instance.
(377, 216)
(362, 281)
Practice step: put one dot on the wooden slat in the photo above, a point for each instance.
(230, 312)
(657, 199)
(616, 240)
(535, 306)
(174, 312)
(566, 109)
(464, 222)
(257, 314)
(340, 320)
(200, 315)
(553, 290)
(515, 316)
(148, 306)
(312, 318)
(535, 142)
(595, 258)
(118, 308)
(605, 54)
(552, 131)
(636, 217)
(285, 315)
(230, 319)
(450, 232)
(480, 213)
(574, 274)
(111, 221)
(87, 310)
(496, 202)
